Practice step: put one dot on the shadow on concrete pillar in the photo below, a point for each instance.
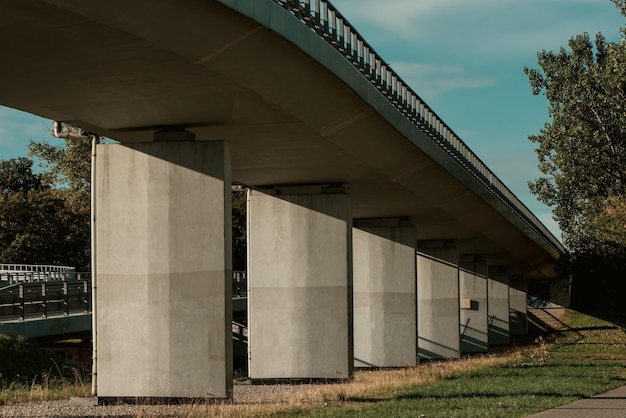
(163, 316)
(518, 309)
(473, 312)
(300, 286)
(438, 305)
(385, 317)
(498, 294)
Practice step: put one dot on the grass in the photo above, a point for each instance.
(29, 373)
(584, 358)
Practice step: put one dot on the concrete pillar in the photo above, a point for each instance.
(385, 316)
(473, 305)
(163, 270)
(498, 294)
(300, 286)
(518, 322)
(473, 314)
(438, 306)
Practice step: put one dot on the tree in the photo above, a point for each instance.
(582, 151)
(66, 171)
(35, 225)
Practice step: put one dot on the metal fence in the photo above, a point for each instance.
(33, 273)
(41, 300)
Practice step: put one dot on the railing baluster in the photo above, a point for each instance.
(318, 14)
(22, 297)
(44, 299)
(66, 294)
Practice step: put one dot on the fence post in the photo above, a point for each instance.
(66, 293)
(22, 299)
(44, 299)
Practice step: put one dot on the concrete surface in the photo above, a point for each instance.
(437, 309)
(498, 295)
(293, 108)
(385, 313)
(473, 316)
(611, 404)
(163, 271)
(299, 286)
(518, 307)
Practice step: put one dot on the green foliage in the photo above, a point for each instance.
(239, 203)
(582, 151)
(22, 358)
(29, 372)
(66, 166)
(36, 224)
(16, 176)
(45, 216)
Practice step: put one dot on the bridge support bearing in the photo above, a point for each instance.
(438, 305)
(163, 270)
(518, 321)
(498, 315)
(385, 311)
(300, 286)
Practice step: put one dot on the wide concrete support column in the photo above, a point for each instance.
(473, 312)
(498, 293)
(385, 316)
(473, 304)
(300, 286)
(163, 270)
(438, 307)
(518, 314)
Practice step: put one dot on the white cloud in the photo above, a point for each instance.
(431, 80)
(481, 26)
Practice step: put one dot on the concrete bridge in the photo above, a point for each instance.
(375, 235)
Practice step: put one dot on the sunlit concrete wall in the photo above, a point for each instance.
(518, 320)
(498, 292)
(300, 286)
(163, 270)
(473, 313)
(437, 308)
(385, 316)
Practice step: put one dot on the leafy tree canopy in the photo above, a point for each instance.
(582, 151)
(45, 215)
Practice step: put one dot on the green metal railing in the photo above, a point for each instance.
(19, 302)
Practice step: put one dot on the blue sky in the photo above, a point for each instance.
(464, 58)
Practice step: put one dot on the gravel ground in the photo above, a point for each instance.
(244, 394)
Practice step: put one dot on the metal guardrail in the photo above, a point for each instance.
(32, 273)
(34, 268)
(23, 301)
(240, 332)
(240, 284)
(10, 278)
(57, 296)
(325, 20)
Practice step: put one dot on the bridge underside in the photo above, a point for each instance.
(126, 69)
